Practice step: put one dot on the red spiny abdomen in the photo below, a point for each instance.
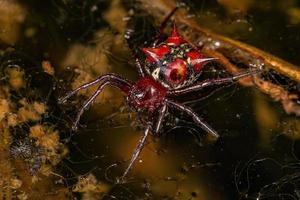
(146, 95)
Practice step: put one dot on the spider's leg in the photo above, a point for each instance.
(161, 116)
(212, 82)
(97, 80)
(158, 37)
(195, 117)
(136, 152)
(138, 65)
(121, 84)
(87, 103)
(166, 20)
(84, 86)
(133, 52)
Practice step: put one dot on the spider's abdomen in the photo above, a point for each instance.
(174, 63)
(146, 95)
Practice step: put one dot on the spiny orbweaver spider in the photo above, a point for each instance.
(171, 68)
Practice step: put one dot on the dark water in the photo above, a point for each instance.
(255, 156)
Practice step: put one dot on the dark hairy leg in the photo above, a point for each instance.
(161, 114)
(167, 18)
(157, 38)
(195, 117)
(136, 152)
(133, 52)
(108, 79)
(87, 103)
(122, 81)
(91, 99)
(138, 65)
(212, 82)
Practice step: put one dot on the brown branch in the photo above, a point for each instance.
(279, 94)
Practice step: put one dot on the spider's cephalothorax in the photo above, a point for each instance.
(174, 63)
(146, 95)
(170, 69)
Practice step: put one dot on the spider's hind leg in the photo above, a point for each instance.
(195, 117)
(158, 37)
(166, 20)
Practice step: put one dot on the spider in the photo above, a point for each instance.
(171, 69)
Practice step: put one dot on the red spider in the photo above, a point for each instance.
(171, 69)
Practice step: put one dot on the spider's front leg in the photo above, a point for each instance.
(195, 117)
(108, 79)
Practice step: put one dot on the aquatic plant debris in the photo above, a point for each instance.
(27, 158)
